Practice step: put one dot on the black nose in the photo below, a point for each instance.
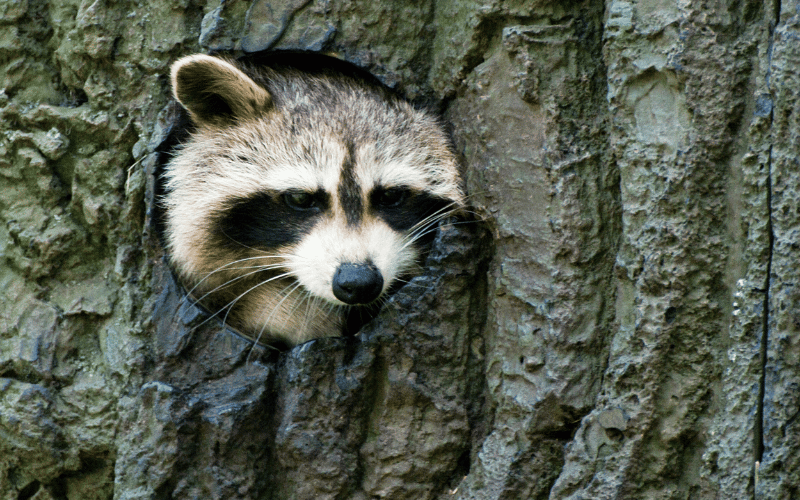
(357, 283)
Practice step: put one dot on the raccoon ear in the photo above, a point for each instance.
(216, 92)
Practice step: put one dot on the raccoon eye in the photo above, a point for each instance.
(391, 197)
(300, 200)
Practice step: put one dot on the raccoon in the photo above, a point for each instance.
(302, 192)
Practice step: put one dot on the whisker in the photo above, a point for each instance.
(311, 301)
(438, 214)
(257, 340)
(226, 267)
(432, 226)
(410, 283)
(430, 220)
(412, 238)
(294, 286)
(231, 281)
(227, 307)
(230, 304)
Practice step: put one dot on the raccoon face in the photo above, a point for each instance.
(299, 195)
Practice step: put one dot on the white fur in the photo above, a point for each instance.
(315, 259)
(254, 154)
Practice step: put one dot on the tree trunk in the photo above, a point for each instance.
(620, 321)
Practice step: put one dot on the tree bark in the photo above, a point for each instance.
(620, 320)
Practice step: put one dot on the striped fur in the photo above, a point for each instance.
(299, 195)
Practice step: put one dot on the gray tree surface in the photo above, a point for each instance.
(621, 321)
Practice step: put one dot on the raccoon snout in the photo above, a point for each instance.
(357, 283)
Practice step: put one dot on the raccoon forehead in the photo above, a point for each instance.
(412, 165)
(306, 159)
(279, 153)
(257, 159)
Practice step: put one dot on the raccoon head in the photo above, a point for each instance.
(299, 194)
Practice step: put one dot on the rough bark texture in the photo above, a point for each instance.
(624, 324)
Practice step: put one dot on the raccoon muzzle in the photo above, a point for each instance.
(357, 283)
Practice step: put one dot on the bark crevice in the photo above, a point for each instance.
(759, 424)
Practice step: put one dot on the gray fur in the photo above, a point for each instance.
(264, 133)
